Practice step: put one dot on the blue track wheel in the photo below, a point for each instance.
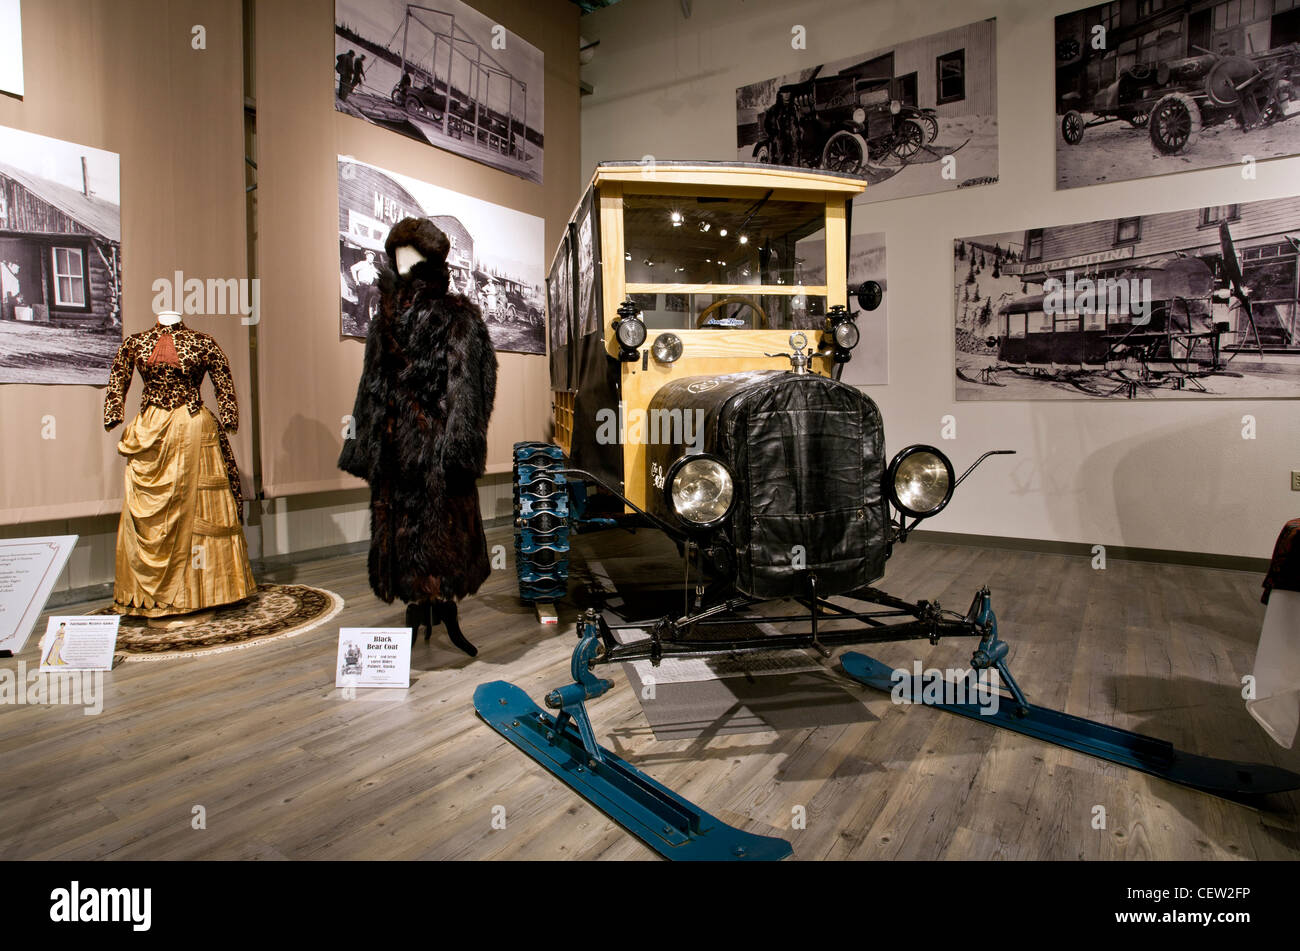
(542, 522)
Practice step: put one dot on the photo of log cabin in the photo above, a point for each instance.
(60, 261)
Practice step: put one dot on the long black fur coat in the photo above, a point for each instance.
(421, 416)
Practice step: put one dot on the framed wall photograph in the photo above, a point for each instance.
(444, 74)
(495, 258)
(1191, 304)
(1149, 88)
(60, 260)
(915, 118)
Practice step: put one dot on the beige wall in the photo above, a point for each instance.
(308, 373)
(1172, 475)
(120, 75)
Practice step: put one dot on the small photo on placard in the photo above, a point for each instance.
(79, 643)
(373, 657)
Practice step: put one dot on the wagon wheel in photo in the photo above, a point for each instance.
(931, 126)
(1072, 125)
(734, 300)
(1175, 120)
(512, 315)
(1139, 120)
(844, 152)
(909, 139)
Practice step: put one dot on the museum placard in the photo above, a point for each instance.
(79, 643)
(29, 567)
(373, 657)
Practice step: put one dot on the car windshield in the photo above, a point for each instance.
(673, 239)
(731, 311)
(874, 96)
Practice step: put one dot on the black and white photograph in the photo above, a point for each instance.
(589, 287)
(1188, 304)
(917, 118)
(443, 74)
(11, 47)
(1155, 87)
(60, 260)
(559, 298)
(495, 258)
(870, 363)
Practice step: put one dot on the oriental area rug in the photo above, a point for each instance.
(275, 611)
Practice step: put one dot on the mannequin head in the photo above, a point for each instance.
(168, 318)
(417, 244)
(407, 258)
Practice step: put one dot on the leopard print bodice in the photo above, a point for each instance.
(168, 385)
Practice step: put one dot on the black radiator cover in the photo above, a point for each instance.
(808, 455)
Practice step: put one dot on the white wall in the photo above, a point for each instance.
(1169, 475)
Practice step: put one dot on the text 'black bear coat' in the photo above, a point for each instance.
(421, 416)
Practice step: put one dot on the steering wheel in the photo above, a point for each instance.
(728, 301)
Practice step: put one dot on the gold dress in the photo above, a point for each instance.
(180, 546)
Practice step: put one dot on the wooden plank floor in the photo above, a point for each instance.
(285, 768)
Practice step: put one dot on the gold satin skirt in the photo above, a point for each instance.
(180, 547)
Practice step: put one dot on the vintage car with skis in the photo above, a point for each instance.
(737, 440)
(1161, 324)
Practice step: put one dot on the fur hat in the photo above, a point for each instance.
(421, 234)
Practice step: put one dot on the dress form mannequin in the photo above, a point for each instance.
(181, 551)
(170, 318)
(426, 392)
(427, 614)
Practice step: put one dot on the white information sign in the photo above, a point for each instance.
(28, 569)
(79, 642)
(11, 47)
(373, 657)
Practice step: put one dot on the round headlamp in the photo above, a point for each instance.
(895, 107)
(847, 335)
(919, 482)
(859, 115)
(667, 348)
(700, 491)
(630, 333)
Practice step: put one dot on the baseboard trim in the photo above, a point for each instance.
(1161, 556)
(272, 562)
(90, 592)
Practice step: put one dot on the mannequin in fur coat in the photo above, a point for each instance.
(421, 416)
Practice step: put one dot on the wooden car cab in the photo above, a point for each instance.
(729, 258)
